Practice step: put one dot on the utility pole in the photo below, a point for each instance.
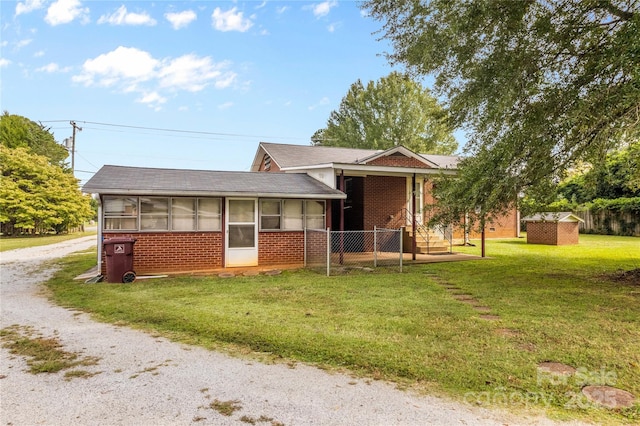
(73, 144)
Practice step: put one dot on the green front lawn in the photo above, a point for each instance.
(566, 304)
(12, 243)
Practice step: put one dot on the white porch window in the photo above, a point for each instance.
(209, 214)
(293, 215)
(154, 214)
(183, 214)
(315, 214)
(120, 213)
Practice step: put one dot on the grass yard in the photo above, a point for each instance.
(567, 304)
(12, 243)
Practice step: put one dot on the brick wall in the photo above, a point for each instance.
(281, 248)
(553, 233)
(384, 197)
(162, 252)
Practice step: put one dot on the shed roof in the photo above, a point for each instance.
(553, 217)
(153, 181)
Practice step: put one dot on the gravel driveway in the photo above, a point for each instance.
(146, 380)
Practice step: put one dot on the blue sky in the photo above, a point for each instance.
(226, 75)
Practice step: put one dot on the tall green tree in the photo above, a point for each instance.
(539, 85)
(18, 131)
(36, 196)
(395, 110)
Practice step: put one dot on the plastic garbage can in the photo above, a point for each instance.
(119, 257)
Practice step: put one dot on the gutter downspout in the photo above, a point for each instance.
(99, 228)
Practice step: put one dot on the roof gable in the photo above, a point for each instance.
(290, 157)
(398, 156)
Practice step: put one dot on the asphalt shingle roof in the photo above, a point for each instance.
(288, 156)
(152, 181)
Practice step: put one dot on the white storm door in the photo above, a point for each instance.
(419, 192)
(242, 232)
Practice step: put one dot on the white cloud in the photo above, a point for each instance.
(181, 19)
(65, 11)
(322, 9)
(152, 98)
(334, 26)
(53, 67)
(225, 105)
(282, 10)
(28, 6)
(131, 70)
(230, 20)
(38, 54)
(193, 73)
(322, 102)
(122, 17)
(122, 65)
(22, 43)
(4, 62)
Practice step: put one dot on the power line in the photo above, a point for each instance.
(157, 129)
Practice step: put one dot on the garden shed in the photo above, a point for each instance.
(553, 228)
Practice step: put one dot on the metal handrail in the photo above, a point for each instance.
(424, 231)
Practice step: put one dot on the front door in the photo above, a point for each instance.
(242, 232)
(419, 196)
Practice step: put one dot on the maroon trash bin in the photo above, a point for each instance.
(119, 256)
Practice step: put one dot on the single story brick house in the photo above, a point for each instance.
(191, 220)
(553, 228)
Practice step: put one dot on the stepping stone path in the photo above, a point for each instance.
(556, 368)
(608, 396)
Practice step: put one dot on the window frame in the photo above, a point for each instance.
(305, 216)
(138, 216)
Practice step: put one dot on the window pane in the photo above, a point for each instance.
(270, 207)
(241, 236)
(315, 222)
(154, 222)
(270, 222)
(154, 205)
(315, 207)
(120, 206)
(209, 214)
(293, 214)
(154, 214)
(183, 214)
(125, 223)
(242, 211)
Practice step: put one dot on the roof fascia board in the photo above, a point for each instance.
(372, 169)
(152, 192)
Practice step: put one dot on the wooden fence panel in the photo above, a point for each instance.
(610, 222)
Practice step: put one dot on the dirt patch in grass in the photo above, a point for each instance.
(43, 355)
(626, 277)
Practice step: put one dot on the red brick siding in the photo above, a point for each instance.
(384, 199)
(553, 233)
(161, 252)
(398, 161)
(281, 248)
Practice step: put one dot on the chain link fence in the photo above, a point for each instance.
(334, 252)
